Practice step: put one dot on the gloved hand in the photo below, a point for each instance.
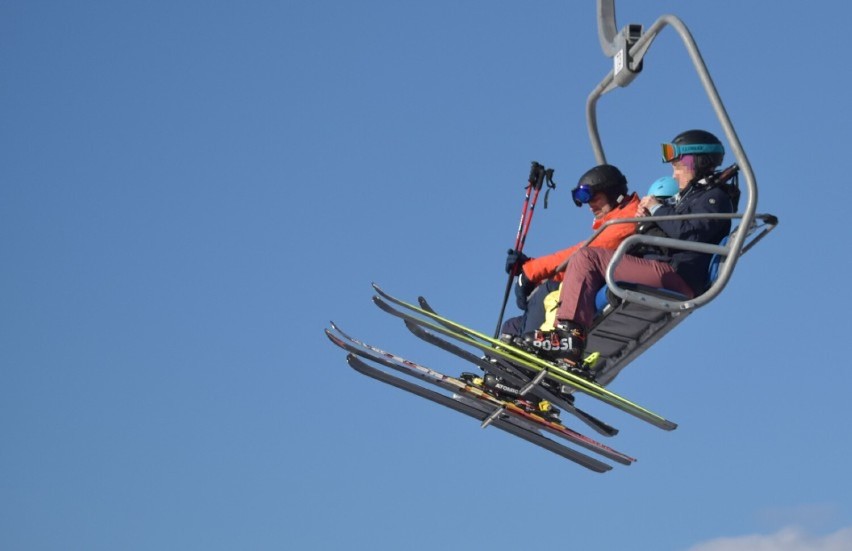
(523, 288)
(514, 257)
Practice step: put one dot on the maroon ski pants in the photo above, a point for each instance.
(585, 276)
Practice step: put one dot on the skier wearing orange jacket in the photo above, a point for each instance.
(604, 189)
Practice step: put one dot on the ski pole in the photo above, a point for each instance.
(536, 178)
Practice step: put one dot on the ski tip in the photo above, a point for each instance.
(381, 291)
(337, 336)
(333, 338)
(338, 330)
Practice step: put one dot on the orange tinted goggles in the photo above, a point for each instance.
(672, 152)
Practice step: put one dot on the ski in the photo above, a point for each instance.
(510, 373)
(516, 356)
(478, 412)
(497, 407)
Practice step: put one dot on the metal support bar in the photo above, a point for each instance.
(533, 383)
(494, 415)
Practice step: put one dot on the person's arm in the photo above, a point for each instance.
(544, 267)
(704, 229)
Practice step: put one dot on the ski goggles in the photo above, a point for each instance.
(673, 152)
(582, 194)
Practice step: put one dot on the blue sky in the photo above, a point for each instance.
(189, 191)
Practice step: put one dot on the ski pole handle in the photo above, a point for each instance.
(534, 181)
(537, 172)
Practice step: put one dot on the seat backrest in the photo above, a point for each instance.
(716, 263)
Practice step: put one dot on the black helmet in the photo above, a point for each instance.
(706, 148)
(605, 178)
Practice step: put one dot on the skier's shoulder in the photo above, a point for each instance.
(716, 198)
(627, 209)
(707, 198)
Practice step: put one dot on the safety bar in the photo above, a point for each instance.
(727, 251)
(656, 302)
(769, 223)
(769, 220)
(628, 50)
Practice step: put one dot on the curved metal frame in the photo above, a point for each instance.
(627, 50)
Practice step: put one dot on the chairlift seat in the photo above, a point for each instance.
(622, 330)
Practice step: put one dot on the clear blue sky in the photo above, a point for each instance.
(189, 191)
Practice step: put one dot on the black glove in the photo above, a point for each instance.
(515, 257)
(523, 288)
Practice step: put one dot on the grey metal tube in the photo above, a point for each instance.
(607, 30)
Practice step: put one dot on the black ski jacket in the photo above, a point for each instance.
(697, 198)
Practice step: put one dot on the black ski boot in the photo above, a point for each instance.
(493, 385)
(565, 346)
(497, 387)
(528, 402)
(522, 342)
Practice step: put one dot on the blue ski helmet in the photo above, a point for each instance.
(664, 187)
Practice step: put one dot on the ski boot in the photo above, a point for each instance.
(517, 342)
(492, 385)
(564, 347)
(501, 390)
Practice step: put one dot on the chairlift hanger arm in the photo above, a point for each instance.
(633, 51)
(607, 30)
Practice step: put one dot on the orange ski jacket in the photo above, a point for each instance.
(542, 268)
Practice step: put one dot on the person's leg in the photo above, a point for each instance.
(584, 277)
(512, 327)
(536, 309)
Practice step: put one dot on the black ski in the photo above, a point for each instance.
(477, 412)
(496, 408)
